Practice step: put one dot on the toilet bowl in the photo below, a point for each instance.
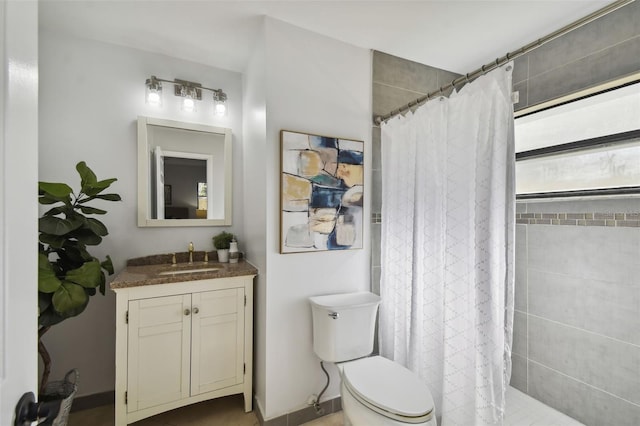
(374, 390)
(377, 391)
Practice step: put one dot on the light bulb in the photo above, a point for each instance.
(153, 98)
(153, 92)
(221, 108)
(188, 104)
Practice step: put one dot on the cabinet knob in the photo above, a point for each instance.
(196, 310)
(187, 312)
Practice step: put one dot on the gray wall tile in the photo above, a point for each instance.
(523, 95)
(376, 191)
(612, 29)
(578, 400)
(580, 251)
(519, 372)
(520, 69)
(604, 363)
(521, 207)
(520, 290)
(608, 308)
(606, 65)
(520, 334)
(445, 78)
(376, 160)
(608, 205)
(375, 278)
(376, 230)
(387, 99)
(402, 73)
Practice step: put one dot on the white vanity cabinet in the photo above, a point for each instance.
(181, 343)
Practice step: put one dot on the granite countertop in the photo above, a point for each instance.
(139, 273)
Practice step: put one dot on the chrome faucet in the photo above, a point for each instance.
(190, 252)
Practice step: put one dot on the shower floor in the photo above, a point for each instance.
(522, 410)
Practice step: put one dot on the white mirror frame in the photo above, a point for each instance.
(144, 184)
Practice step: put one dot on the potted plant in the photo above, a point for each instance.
(67, 273)
(222, 242)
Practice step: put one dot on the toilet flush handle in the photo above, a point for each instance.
(334, 315)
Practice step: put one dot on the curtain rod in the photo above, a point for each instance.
(508, 57)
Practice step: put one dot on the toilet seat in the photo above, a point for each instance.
(388, 389)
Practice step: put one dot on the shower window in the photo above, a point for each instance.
(589, 146)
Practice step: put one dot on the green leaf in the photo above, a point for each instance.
(97, 187)
(69, 296)
(55, 241)
(58, 226)
(108, 197)
(97, 227)
(87, 177)
(88, 275)
(91, 210)
(49, 316)
(108, 265)
(43, 199)
(57, 210)
(44, 301)
(56, 191)
(86, 236)
(47, 280)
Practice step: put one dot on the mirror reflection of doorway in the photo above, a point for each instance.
(186, 175)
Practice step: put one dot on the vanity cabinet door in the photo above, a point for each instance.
(217, 357)
(158, 351)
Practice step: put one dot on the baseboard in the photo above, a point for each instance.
(92, 401)
(298, 417)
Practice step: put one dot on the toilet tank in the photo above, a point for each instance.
(344, 325)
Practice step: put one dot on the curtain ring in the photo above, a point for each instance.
(467, 77)
(497, 62)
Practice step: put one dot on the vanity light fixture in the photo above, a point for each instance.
(188, 90)
(153, 93)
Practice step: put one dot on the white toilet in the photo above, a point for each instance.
(375, 391)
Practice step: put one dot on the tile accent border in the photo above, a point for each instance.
(580, 219)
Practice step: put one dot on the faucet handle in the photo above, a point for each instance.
(191, 246)
(206, 257)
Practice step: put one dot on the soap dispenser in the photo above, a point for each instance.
(234, 255)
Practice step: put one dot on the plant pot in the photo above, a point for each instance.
(223, 255)
(64, 390)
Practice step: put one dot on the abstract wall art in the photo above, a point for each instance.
(322, 189)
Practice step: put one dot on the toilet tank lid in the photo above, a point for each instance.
(342, 300)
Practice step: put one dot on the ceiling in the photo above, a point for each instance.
(458, 36)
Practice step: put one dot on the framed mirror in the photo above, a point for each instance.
(184, 174)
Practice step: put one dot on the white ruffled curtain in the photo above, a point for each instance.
(448, 199)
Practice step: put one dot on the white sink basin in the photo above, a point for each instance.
(189, 271)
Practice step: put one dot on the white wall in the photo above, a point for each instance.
(255, 166)
(318, 85)
(18, 205)
(90, 97)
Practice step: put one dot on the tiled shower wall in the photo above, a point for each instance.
(396, 82)
(577, 320)
(577, 298)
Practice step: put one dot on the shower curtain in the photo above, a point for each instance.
(447, 253)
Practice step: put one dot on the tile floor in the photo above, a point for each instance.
(227, 411)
